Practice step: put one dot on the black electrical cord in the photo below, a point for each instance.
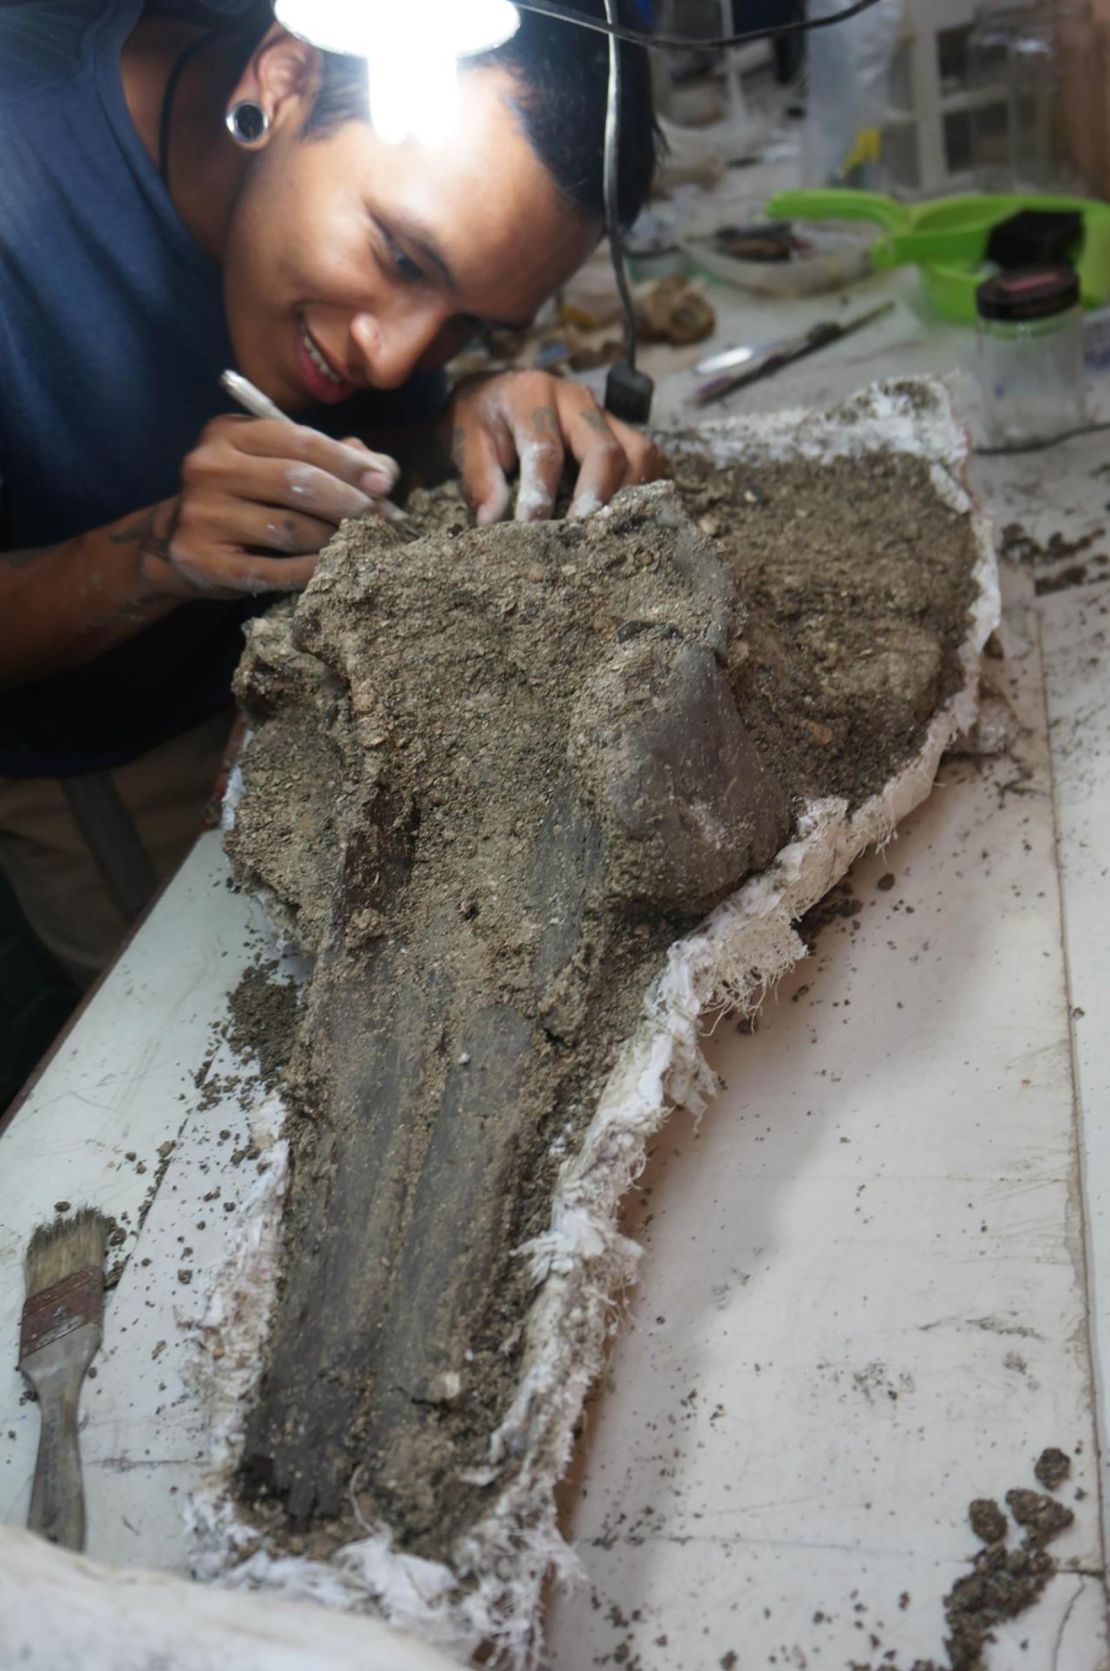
(641, 37)
(612, 183)
(628, 392)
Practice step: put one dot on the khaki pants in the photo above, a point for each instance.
(51, 868)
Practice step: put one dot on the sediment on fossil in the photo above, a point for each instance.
(494, 775)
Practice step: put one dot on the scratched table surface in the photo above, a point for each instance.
(874, 1276)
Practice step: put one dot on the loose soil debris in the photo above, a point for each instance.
(1053, 1466)
(261, 1029)
(987, 1520)
(1004, 1582)
(1052, 570)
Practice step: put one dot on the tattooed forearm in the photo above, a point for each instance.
(152, 531)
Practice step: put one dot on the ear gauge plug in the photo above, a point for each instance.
(247, 123)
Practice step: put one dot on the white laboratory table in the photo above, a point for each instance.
(875, 1275)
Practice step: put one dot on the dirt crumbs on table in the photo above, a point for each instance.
(1004, 1582)
(494, 774)
(1052, 561)
(263, 1022)
(261, 1028)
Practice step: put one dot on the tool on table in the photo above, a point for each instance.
(59, 1337)
(730, 357)
(741, 366)
(252, 400)
(952, 237)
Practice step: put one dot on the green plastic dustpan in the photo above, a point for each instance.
(948, 237)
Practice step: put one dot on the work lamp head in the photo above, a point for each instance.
(412, 50)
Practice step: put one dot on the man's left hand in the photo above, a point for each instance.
(531, 421)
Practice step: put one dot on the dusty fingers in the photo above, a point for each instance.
(252, 487)
(647, 462)
(535, 421)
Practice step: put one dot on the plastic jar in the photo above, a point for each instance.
(1031, 355)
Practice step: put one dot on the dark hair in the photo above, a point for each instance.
(562, 72)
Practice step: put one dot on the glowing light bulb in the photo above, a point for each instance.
(413, 82)
(412, 50)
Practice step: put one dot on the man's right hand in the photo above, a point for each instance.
(251, 487)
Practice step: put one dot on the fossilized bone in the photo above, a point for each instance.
(542, 776)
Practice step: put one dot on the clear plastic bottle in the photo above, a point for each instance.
(1031, 355)
(989, 49)
(1016, 88)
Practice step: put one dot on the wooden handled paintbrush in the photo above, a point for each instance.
(59, 1338)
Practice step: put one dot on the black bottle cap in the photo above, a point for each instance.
(1028, 293)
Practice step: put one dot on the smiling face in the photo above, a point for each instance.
(351, 264)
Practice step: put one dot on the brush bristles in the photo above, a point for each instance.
(69, 1244)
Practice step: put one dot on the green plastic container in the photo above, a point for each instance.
(948, 237)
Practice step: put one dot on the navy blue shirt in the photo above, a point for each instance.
(112, 340)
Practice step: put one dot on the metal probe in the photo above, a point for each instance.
(252, 400)
(628, 392)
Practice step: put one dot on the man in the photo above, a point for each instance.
(176, 199)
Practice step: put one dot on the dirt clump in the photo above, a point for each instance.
(1052, 1467)
(263, 1021)
(1042, 1518)
(1003, 1583)
(987, 1520)
(261, 1027)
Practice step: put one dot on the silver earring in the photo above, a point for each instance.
(247, 123)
